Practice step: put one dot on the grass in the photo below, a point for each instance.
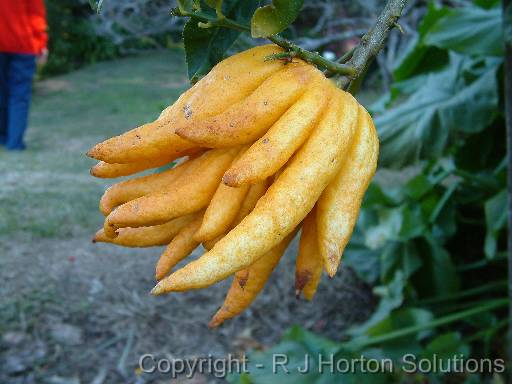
(46, 190)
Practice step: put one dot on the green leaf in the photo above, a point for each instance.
(437, 275)
(407, 317)
(482, 150)
(274, 18)
(442, 215)
(205, 47)
(418, 186)
(495, 219)
(399, 256)
(413, 222)
(487, 4)
(96, 5)
(484, 320)
(387, 228)
(260, 365)
(296, 344)
(395, 224)
(397, 320)
(375, 195)
(391, 298)
(470, 30)
(314, 343)
(445, 346)
(364, 261)
(418, 57)
(449, 103)
(189, 5)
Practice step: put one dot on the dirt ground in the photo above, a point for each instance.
(75, 312)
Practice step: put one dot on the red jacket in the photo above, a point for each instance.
(22, 26)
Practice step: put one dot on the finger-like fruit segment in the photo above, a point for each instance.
(104, 170)
(267, 155)
(146, 236)
(111, 171)
(221, 211)
(248, 283)
(131, 189)
(146, 143)
(253, 195)
(282, 208)
(198, 185)
(309, 263)
(226, 84)
(250, 118)
(339, 205)
(179, 248)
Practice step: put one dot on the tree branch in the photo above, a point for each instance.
(372, 41)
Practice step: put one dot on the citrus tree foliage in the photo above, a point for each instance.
(274, 18)
(205, 47)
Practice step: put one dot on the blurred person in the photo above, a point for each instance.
(23, 40)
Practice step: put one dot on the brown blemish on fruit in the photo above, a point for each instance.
(301, 279)
(242, 277)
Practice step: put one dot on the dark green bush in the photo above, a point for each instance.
(73, 42)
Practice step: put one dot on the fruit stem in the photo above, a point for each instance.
(293, 49)
(313, 57)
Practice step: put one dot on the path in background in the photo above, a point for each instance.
(73, 312)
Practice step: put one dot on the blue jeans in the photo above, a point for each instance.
(16, 73)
